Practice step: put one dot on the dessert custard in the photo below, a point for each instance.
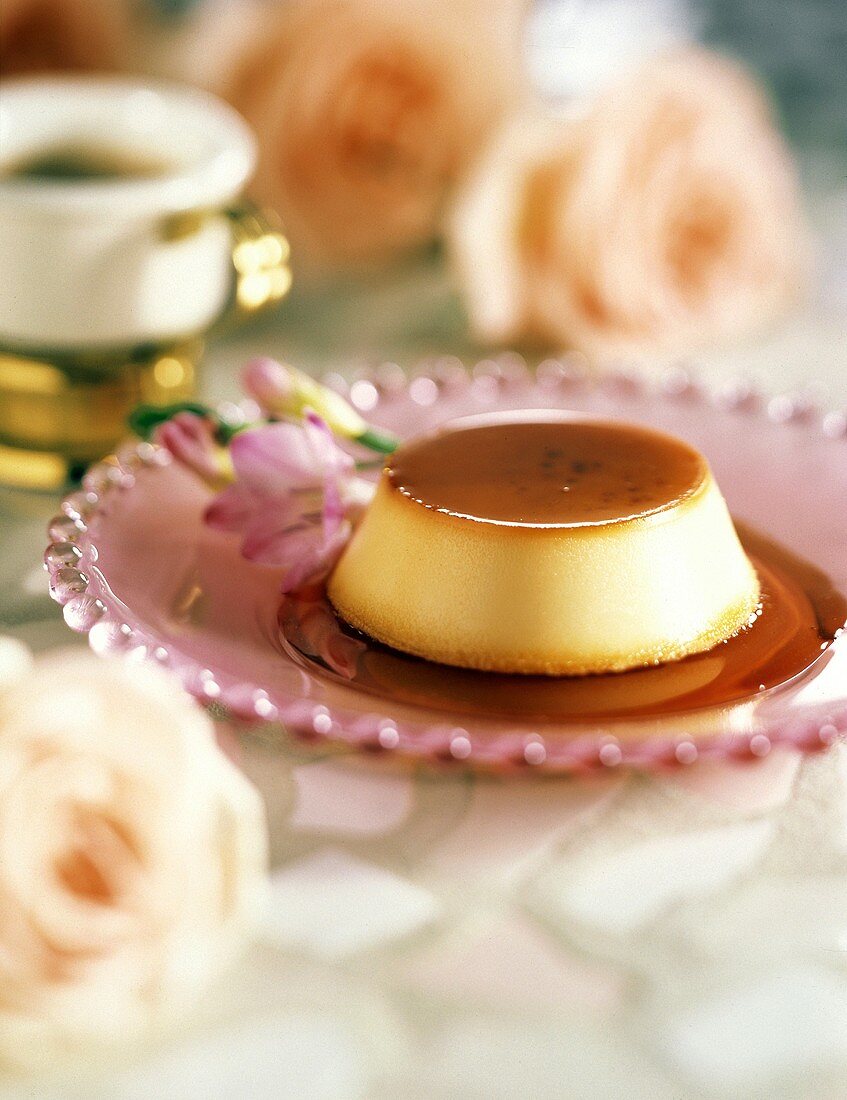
(541, 543)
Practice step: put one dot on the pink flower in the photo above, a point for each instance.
(316, 631)
(191, 440)
(367, 113)
(283, 390)
(269, 383)
(662, 218)
(293, 500)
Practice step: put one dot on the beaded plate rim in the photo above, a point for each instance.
(89, 608)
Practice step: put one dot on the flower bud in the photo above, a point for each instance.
(191, 440)
(286, 391)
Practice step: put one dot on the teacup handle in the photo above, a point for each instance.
(260, 254)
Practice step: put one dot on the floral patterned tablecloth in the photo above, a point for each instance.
(445, 936)
(442, 936)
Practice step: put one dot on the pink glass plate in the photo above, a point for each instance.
(134, 567)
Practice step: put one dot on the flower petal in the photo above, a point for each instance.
(337, 466)
(331, 457)
(276, 459)
(326, 640)
(191, 441)
(313, 562)
(288, 502)
(232, 509)
(270, 384)
(276, 536)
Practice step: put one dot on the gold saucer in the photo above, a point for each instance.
(61, 412)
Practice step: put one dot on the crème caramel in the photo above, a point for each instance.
(545, 543)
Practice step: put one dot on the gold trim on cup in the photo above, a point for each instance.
(60, 413)
(260, 254)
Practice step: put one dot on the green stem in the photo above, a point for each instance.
(227, 432)
(145, 419)
(378, 441)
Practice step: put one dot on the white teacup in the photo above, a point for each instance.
(113, 262)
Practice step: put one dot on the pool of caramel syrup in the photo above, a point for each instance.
(802, 612)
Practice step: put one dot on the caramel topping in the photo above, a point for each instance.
(560, 473)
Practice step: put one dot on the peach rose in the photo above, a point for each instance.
(663, 218)
(132, 855)
(39, 36)
(367, 112)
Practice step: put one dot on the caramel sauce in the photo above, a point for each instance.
(547, 472)
(801, 615)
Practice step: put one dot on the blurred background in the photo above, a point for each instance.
(403, 301)
(571, 49)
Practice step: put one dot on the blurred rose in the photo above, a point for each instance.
(132, 855)
(367, 111)
(15, 661)
(39, 36)
(663, 218)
